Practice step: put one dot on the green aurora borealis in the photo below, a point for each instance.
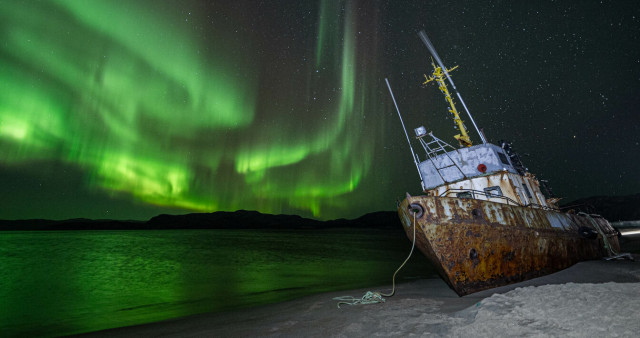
(144, 109)
(193, 106)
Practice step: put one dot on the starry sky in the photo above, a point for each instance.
(127, 109)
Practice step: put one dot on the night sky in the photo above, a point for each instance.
(128, 109)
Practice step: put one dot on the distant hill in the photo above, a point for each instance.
(70, 224)
(619, 208)
(244, 219)
(613, 208)
(241, 219)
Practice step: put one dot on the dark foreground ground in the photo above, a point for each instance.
(592, 292)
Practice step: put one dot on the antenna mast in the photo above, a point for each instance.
(413, 154)
(427, 43)
(438, 76)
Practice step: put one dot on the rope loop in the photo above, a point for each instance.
(368, 298)
(376, 297)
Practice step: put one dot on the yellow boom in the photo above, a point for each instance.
(438, 76)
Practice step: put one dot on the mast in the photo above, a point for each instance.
(433, 52)
(413, 154)
(438, 76)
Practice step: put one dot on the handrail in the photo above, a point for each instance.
(583, 207)
(482, 193)
(490, 196)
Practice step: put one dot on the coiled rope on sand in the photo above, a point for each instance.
(377, 297)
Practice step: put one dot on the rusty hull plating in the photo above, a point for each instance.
(477, 244)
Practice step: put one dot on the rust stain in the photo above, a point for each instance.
(477, 245)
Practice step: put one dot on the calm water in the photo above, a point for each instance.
(64, 282)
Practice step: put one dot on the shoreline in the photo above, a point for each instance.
(426, 305)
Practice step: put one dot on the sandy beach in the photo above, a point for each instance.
(594, 298)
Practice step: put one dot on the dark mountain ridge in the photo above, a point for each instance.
(613, 208)
(241, 219)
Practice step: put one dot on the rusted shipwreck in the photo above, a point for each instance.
(483, 220)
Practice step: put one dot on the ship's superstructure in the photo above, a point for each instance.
(483, 171)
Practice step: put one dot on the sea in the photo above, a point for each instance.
(55, 283)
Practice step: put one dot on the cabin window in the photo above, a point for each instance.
(464, 194)
(503, 158)
(526, 190)
(493, 191)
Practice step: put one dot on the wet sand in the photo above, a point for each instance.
(425, 306)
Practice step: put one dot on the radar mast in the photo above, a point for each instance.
(438, 76)
(445, 73)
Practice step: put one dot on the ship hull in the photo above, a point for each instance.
(478, 244)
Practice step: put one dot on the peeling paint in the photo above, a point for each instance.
(477, 244)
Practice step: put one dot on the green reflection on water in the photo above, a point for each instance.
(56, 283)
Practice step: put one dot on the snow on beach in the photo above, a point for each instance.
(565, 310)
(568, 310)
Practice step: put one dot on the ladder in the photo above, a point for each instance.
(435, 148)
